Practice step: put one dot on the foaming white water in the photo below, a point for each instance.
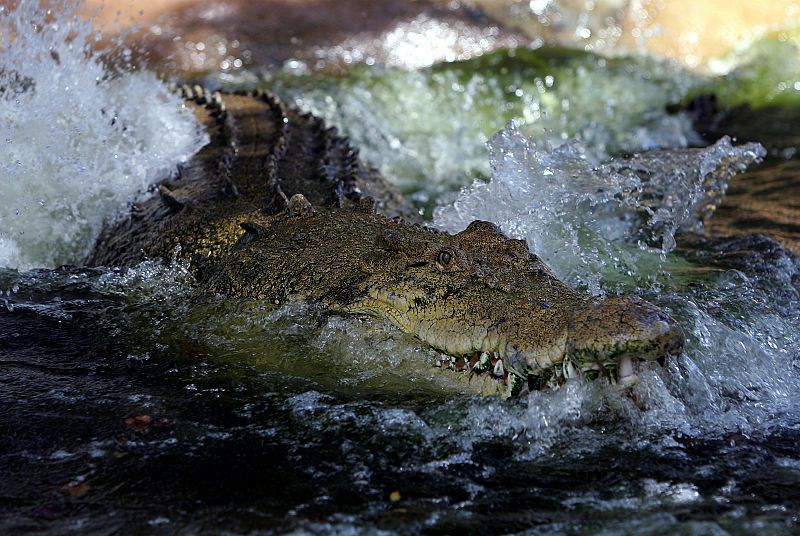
(426, 130)
(737, 372)
(78, 140)
(413, 44)
(581, 218)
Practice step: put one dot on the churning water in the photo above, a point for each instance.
(80, 139)
(123, 407)
(427, 129)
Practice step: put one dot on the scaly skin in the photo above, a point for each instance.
(278, 208)
(260, 154)
(465, 294)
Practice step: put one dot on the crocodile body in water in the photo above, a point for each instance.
(279, 208)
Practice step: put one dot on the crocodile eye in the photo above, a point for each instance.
(444, 258)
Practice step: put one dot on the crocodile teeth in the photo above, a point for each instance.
(499, 370)
(475, 362)
(626, 373)
(444, 361)
(572, 372)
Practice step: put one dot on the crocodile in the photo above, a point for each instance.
(279, 208)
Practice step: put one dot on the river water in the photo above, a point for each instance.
(125, 408)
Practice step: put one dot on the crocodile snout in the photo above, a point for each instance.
(620, 331)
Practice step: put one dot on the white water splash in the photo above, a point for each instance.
(426, 130)
(419, 42)
(737, 372)
(78, 139)
(584, 219)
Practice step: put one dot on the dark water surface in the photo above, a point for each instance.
(121, 412)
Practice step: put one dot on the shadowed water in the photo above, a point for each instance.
(121, 408)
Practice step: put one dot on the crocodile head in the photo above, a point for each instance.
(490, 305)
(478, 297)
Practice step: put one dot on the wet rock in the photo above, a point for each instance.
(76, 488)
(766, 201)
(198, 37)
(141, 422)
(775, 127)
(138, 422)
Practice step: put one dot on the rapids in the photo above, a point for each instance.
(125, 408)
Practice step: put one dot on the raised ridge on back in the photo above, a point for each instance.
(261, 153)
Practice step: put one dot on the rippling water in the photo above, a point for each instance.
(123, 407)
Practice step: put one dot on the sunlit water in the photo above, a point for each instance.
(60, 103)
(126, 407)
(427, 129)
